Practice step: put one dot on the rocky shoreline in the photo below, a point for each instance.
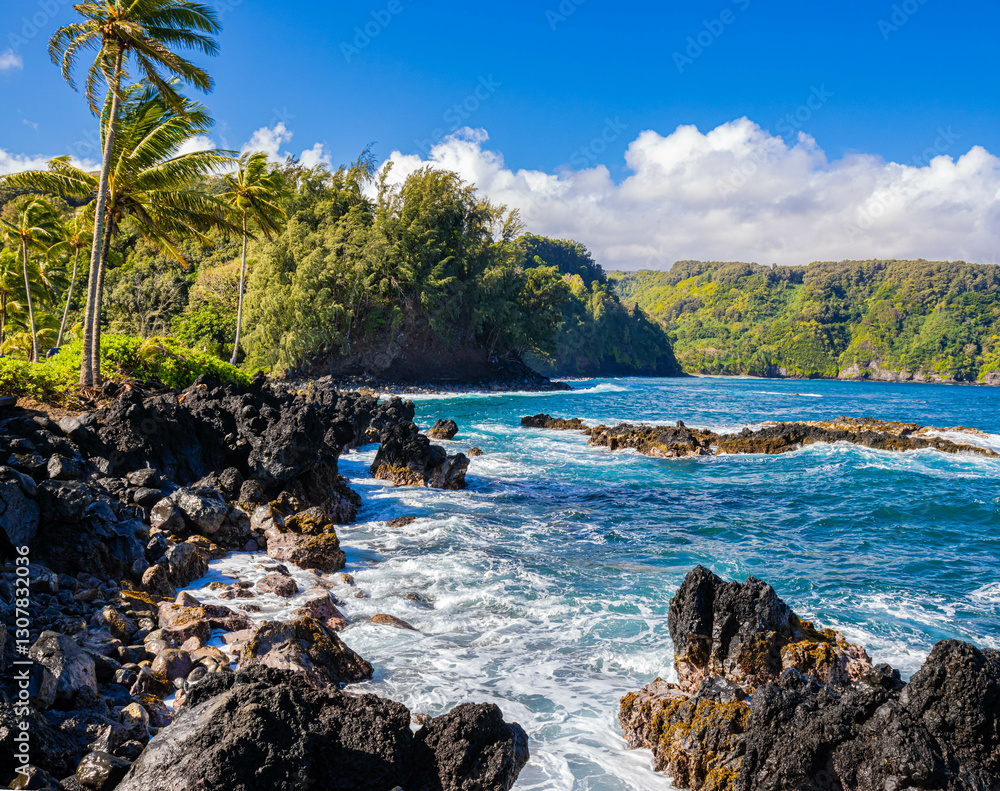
(767, 701)
(135, 686)
(503, 376)
(679, 441)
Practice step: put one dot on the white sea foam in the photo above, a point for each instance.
(543, 613)
(971, 437)
(988, 594)
(603, 387)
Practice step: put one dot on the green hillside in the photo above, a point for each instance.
(853, 319)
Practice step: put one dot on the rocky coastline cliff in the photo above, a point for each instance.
(767, 701)
(133, 685)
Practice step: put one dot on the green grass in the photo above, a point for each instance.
(123, 358)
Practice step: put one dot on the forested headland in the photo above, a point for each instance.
(188, 255)
(426, 281)
(891, 320)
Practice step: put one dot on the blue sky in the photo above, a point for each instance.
(560, 86)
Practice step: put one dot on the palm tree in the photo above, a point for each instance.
(123, 31)
(77, 235)
(149, 183)
(9, 288)
(252, 196)
(37, 226)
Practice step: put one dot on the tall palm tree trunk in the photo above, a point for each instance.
(31, 309)
(95, 330)
(69, 298)
(239, 308)
(93, 304)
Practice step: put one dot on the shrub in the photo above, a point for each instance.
(158, 360)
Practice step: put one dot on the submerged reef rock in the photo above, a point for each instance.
(407, 458)
(267, 728)
(671, 442)
(765, 701)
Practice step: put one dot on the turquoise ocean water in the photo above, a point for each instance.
(545, 584)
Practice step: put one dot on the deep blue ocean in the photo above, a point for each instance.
(544, 585)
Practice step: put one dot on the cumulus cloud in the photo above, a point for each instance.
(198, 143)
(271, 140)
(268, 140)
(15, 163)
(10, 60)
(317, 155)
(739, 193)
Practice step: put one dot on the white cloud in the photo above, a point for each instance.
(314, 156)
(198, 143)
(10, 60)
(740, 193)
(15, 163)
(271, 140)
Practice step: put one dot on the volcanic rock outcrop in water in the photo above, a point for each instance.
(121, 507)
(680, 441)
(267, 729)
(768, 702)
(407, 458)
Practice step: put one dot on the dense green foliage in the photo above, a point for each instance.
(356, 266)
(827, 319)
(341, 265)
(157, 360)
(596, 334)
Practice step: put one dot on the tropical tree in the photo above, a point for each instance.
(76, 236)
(36, 229)
(145, 33)
(150, 186)
(10, 287)
(253, 193)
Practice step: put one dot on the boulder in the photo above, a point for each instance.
(269, 729)
(182, 623)
(470, 747)
(323, 610)
(743, 632)
(61, 468)
(407, 458)
(165, 515)
(120, 627)
(172, 663)
(554, 423)
(100, 771)
(156, 581)
(204, 509)
(62, 671)
(279, 585)
(392, 620)
(768, 703)
(185, 563)
(18, 515)
(443, 429)
(144, 478)
(307, 552)
(73, 428)
(304, 646)
(148, 498)
(63, 501)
